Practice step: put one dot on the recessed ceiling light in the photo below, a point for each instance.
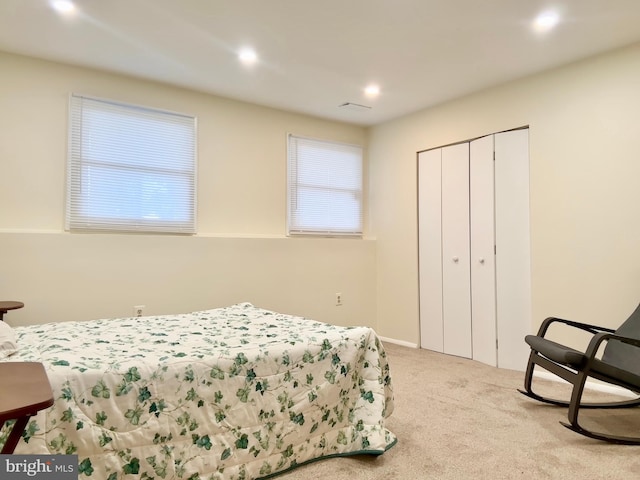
(66, 7)
(372, 91)
(546, 21)
(248, 56)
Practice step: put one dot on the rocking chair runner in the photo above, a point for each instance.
(619, 365)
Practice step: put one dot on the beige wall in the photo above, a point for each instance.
(585, 191)
(585, 232)
(241, 252)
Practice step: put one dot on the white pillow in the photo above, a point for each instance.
(8, 345)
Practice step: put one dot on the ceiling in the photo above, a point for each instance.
(316, 55)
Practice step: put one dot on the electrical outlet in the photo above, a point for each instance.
(138, 310)
(338, 299)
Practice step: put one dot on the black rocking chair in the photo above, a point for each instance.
(619, 365)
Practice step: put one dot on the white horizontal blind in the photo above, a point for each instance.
(324, 187)
(130, 168)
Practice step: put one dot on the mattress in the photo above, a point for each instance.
(231, 393)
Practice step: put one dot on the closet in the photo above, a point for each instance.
(474, 249)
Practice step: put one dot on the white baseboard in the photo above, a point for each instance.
(599, 387)
(402, 343)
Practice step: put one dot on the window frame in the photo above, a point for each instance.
(79, 218)
(328, 230)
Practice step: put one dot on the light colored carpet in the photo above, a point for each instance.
(459, 419)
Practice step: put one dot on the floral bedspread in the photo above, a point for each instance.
(230, 393)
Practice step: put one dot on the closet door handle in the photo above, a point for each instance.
(481, 261)
(455, 259)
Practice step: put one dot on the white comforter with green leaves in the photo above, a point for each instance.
(230, 393)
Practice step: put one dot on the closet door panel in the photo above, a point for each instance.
(513, 247)
(483, 271)
(456, 291)
(430, 249)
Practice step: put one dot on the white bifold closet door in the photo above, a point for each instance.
(513, 258)
(445, 288)
(473, 217)
(456, 288)
(430, 249)
(483, 266)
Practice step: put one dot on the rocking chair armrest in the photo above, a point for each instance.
(598, 338)
(594, 329)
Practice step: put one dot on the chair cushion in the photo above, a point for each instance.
(616, 375)
(623, 355)
(557, 352)
(575, 359)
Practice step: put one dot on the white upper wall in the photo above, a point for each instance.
(241, 147)
(241, 252)
(585, 195)
(585, 231)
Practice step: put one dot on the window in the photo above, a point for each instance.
(324, 187)
(130, 168)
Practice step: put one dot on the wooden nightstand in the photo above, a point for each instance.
(24, 391)
(9, 305)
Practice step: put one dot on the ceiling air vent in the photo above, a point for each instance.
(354, 107)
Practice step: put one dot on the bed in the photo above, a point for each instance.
(230, 393)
